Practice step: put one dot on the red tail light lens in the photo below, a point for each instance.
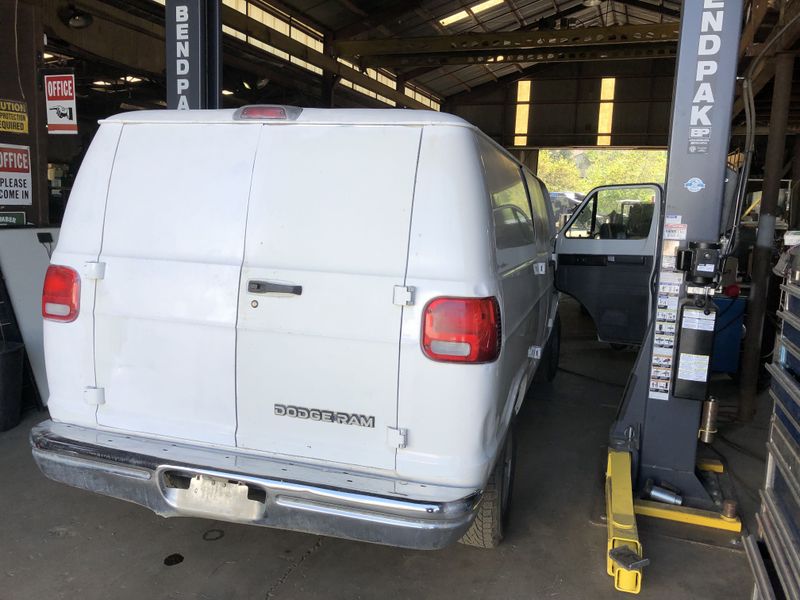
(61, 295)
(462, 330)
(268, 112)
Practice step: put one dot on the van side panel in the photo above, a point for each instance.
(69, 347)
(166, 310)
(451, 411)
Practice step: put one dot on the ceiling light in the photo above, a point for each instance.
(101, 82)
(247, 86)
(47, 56)
(454, 18)
(132, 79)
(474, 9)
(227, 93)
(486, 5)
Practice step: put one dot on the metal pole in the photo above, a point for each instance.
(213, 55)
(762, 253)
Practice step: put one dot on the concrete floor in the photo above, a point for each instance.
(59, 542)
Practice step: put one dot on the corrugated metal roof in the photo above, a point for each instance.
(414, 18)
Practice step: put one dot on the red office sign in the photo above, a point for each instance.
(59, 92)
(15, 175)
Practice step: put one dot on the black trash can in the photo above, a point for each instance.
(11, 354)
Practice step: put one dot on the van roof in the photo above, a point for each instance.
(322, 116)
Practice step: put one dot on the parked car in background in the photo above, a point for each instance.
(318, 320)
(564, 204)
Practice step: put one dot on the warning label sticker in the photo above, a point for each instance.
(676, 231)
(693, 367)
(15, 175)
(13, 116)
(694, 318)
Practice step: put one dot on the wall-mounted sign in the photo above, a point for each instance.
(15, 175)
(13, 116)
(12, 218)
(59, 93)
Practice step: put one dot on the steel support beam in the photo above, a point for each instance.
(241, 22)
(134, 42)
(549, 55)
(378, 19)
(762, 252)
(512, 41)
(656, 8)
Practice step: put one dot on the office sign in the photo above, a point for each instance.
(15, 175)
(13, 116)
(62, 116)
(185, 34)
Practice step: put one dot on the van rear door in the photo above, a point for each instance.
(319, 331)
(165, 312)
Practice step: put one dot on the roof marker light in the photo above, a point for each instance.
(268, 112)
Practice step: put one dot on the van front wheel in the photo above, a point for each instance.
(489, 525)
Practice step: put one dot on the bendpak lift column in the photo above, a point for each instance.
(657, 427)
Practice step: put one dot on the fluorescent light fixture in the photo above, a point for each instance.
(102, 83)
(454, 18)
(486, 5)
(47, 56)
(132, 79)
(474, 9)
(227, 93)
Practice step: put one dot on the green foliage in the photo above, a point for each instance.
(582, 170)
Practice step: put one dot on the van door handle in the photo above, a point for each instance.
(268, 287)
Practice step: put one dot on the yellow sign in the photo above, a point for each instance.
(13, 116)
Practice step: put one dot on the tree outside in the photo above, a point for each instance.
(582, 170)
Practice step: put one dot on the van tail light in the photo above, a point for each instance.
(61, 295)
(465, 330)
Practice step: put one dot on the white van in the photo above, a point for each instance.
(318, 320)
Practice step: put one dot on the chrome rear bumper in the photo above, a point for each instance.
(186, 485)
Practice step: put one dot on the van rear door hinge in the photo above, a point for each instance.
(94, 270)
(94, 396)
(403, 295)
(397, 437)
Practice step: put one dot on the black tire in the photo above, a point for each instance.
(548, 367)
(490, 524)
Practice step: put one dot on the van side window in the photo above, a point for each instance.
(541, 215)
(513, 221)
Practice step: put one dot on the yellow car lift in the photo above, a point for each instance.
(624, 558)
(652, 468)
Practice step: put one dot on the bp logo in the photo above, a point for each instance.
(694, 185)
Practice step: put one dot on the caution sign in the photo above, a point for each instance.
(59, 91)
(13, 116)
(15, 175)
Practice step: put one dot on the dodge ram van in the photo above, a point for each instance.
(317, 320)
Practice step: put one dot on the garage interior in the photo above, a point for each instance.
(537, 76)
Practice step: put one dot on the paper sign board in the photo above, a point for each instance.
(62, 117)
(15, 175)
(13, 116)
